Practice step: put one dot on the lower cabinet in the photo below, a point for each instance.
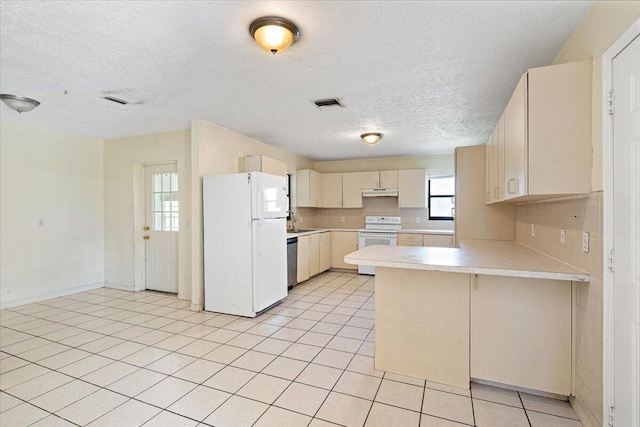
(314, 255)
(303, 258)
(343, 243)
(325, 251)
(438, 240)
(435, 240)
(409, 239)
(518, 322)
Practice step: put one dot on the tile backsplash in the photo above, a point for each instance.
(575, 216)
(372, 206)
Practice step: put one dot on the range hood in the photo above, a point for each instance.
(384, 192)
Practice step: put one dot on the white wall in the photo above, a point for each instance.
(216, 151)
(58, 177)
(124, 159)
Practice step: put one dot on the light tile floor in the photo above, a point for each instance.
(115, 358)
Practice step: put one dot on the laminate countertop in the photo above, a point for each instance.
(488, 257)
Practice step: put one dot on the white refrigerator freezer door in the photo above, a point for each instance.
(269, 196)
(269, 262)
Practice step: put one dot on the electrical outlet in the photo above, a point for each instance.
(40, 222)
(341, 219)
(533, 230)
(585, 242)
(562, 236)
(417, 220)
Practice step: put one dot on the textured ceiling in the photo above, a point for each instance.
(429, 75)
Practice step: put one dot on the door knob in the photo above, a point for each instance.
(145, 228)
(147, 237)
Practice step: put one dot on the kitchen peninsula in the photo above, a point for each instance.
(490, 310)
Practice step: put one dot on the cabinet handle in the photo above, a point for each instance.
(495, 193)
(377, 184)
(488, 198)
(453, 211)
(516, 186)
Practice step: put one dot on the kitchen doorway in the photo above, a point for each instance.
(621, 150)
(161, 226)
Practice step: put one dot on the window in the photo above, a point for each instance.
(442, 191)
(165, 201)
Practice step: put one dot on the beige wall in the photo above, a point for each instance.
(433, 164)
(604, 23)
(57, 177)
(124, 161)
(216, 151)
(387, 206)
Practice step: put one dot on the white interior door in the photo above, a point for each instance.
(161, 230)
(626, 235)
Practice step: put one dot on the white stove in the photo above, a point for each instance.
(379, 230)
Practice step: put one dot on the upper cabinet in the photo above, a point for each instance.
(495, 164)
(379, 180)
(331, 190)
(308, 188)
(352, 190)
(412, 188)
(546, 145)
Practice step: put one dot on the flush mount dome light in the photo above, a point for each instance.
(19, 103)
(274, 34)
(371, 137)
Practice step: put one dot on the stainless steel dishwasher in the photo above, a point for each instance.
(292, 261)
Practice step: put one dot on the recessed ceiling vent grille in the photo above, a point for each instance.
(116, 100)
(328, 102)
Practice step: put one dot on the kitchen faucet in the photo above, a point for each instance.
(293, 219)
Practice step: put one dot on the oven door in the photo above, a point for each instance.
(365, 240)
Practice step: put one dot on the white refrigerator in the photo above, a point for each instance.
(245, 242)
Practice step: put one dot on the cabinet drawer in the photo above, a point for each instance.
(406, 239)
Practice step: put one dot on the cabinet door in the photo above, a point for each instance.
(370, 180)
(438, 240)
(303, 188)
(409, 239)
(412, 188)
(388, 179)
(498, 156)
(343, 243)
(489, 165)
(303, 258)
(331, 190)
(559, 114)
(515, 142)
(518, 322)
(315, 184)
(352, 190)
(325, 251)
(314, 254)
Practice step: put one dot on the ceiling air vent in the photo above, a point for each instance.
(116, 100)
(328, 102)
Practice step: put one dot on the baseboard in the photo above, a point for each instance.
(50, 295)
(119, 287)
(196, 307)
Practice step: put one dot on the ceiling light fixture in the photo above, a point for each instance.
(19, 103)
(371, 137)
(274, 34)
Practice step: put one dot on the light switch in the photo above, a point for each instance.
(40, 222)
(533, 230)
